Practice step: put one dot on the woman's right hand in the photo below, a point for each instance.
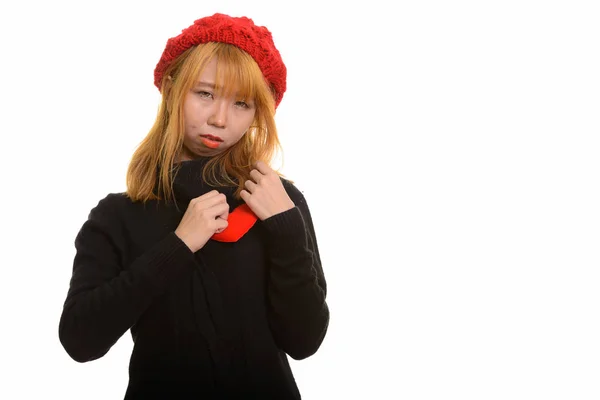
(205, 216)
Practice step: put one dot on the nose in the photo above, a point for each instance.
(218, 117)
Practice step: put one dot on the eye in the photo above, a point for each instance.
(242, 104)
(204, 94)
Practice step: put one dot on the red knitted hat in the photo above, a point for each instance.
(239, 31)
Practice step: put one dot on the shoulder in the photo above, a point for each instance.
(119, 211)
(296, 193)
(112, 201)
(111, 205)
(110, 214)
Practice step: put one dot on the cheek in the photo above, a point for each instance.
(187, 115)
(194, 119)
(245, 125)
(193, 110)
(248, 120)
(188, 104)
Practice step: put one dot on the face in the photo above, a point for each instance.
(213, 123)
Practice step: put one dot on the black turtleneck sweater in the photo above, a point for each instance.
(215, 324)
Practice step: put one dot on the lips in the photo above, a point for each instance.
(211, 137)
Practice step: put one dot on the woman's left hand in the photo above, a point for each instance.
(265, 194)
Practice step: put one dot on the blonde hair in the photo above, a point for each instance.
(149, 175)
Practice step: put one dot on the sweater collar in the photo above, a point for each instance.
(188, 183)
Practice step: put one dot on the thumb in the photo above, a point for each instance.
(221, 225)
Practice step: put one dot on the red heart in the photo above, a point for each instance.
(240, 220)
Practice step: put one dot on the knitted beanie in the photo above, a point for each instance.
(239, 31)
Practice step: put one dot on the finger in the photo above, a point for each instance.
(221, 225)
(219, 211)
(263, 167)
(256, 176)
(205, 196)
(209, 195)
(224, 215)
(214, 200)
(251, 186)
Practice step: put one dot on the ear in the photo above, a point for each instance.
(167, 83)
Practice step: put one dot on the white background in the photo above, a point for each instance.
(449, 152)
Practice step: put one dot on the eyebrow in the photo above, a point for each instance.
(202, 83)
(207, 84)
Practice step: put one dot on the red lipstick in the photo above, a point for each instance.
(212, 142)
(211, 137)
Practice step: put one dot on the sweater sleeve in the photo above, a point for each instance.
(105, 299)
(299, 315)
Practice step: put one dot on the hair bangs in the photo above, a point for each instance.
(238, 75)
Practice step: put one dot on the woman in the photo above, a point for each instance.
(210, 257)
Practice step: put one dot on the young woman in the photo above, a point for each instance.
(210, 258)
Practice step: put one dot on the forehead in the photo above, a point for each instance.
(228, 76)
